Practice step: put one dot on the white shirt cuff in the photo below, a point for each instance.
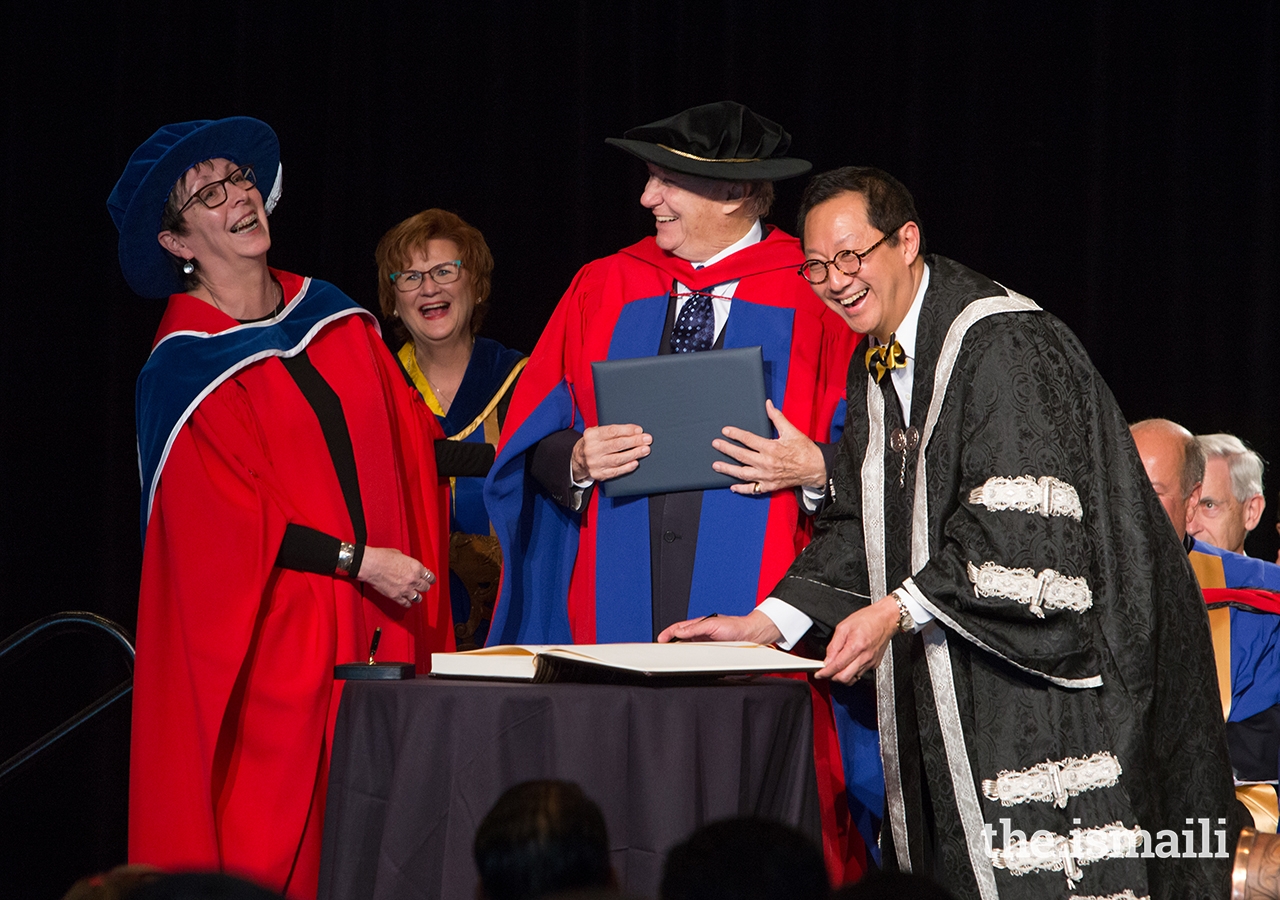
(790, 621)
(575, 496)
(811, 498)
(919, 614)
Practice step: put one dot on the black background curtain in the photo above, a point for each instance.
(1116, 163)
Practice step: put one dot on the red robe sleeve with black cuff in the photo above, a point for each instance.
(234, 700)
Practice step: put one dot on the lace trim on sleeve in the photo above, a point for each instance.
(1054, 780)
(1048, 590)
(1047, 496)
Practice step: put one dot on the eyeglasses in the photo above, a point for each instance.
(411, 279)
(214, 194)
(848, 262)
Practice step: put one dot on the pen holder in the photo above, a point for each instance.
(387, 671)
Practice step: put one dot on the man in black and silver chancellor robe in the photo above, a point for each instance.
(992, 548)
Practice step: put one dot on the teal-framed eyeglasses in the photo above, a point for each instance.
(411, 279)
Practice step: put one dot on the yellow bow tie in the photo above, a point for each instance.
(889, 356)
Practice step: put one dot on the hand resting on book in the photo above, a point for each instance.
(755, 627)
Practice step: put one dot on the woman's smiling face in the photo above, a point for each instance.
(436, 313)
(233, 230)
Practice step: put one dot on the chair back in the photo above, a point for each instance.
(1255, 873)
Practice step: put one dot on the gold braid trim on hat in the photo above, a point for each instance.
(705, 159)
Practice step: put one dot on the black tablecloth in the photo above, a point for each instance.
(417, 765)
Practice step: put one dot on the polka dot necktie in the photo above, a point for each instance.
(695, 327)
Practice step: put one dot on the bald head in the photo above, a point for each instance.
(1175, 465)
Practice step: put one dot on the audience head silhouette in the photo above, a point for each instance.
(745, 859)
(202, 886)
(541, 838)
(119, 883)
(883, 885)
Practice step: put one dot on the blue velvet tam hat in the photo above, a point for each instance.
(137, 202)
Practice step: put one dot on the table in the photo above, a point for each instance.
(417, 765)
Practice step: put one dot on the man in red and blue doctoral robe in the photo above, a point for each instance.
(586, 568)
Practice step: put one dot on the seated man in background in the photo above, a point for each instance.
(542, 837)
(1174, 464)
(1231, 500)
(1245, 624)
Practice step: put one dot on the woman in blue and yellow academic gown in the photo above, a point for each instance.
(433, 282)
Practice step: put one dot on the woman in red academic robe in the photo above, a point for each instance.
(291, 505)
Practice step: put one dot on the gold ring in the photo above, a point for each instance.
(755, 488)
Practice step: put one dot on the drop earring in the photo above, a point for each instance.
(188, 267)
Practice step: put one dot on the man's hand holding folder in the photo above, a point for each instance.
(789, 461)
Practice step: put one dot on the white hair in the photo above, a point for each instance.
(1244, 465)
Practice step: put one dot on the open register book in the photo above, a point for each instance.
(542, 663)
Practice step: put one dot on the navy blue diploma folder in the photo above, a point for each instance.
(683, 400)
